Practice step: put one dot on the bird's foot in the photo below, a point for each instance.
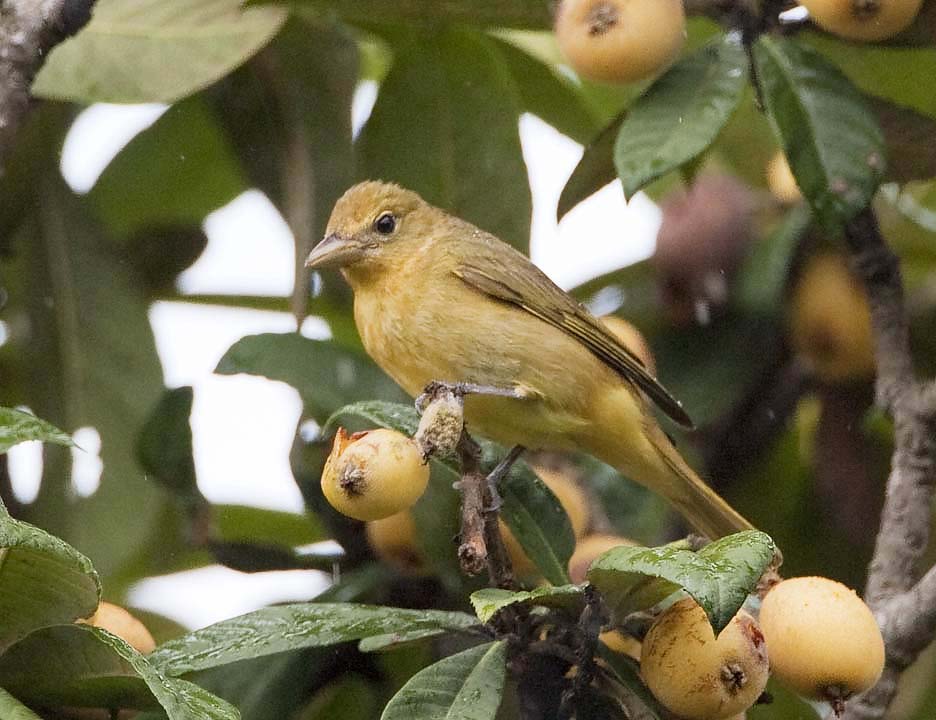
(497, 474)
(440, 388)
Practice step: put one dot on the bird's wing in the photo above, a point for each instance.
(526, 286)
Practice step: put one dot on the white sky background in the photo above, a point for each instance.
(250, 252)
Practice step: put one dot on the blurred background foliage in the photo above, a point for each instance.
(261, 98)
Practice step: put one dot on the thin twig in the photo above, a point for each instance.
(29, 29)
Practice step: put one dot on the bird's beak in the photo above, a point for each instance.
(334, 251)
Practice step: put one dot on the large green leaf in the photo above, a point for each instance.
(528, 14)
(18, 426)
(548, 95)
(681, 114)
(292, 627)
(829, 134)
(488, 601)
(445, 125)
(81, 353)
(165, 444)
(175, 172)
(43, 581)
(155, 50)
(466, 686)
(326, 376)
(594, 170)
(529, 508)
(720, 576)
(83, 666)
(900, 75)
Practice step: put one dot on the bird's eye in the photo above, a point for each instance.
(385, 224)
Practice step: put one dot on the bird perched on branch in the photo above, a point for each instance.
(436, 299)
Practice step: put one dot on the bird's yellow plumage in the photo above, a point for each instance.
(437, 299)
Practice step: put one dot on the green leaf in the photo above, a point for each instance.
(530, 509)
(154, 50)
(537, 520)
(445, 125)
(549, 96)
(640, 702)
(18, 426)
(526, 14)
(173, 173)
(720, 576)
(79, 665)
(165, 444)
(763, 275)
(43, 581)
(594, 170)
(83, 355)
(681, 114)
(466, 686)
(900, 75)
(825, 127)
(13, 709)
(349, 698)
(292, 627)
(488, 601)
(326, 376)
(240, 523)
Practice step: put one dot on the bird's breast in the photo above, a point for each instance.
(450, 332)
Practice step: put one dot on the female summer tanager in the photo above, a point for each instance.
(437, 299)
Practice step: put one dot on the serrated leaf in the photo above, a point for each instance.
(79, 665)
(594, 170)
(435, 129)
(326, 376)
(526, 14)
(529, 508)
(465, 686)
(43, 581)
(488, 601)
(154, 50)
(18, 426)
(825, 127)
(681, 114)
(292, 627)
(719, 577)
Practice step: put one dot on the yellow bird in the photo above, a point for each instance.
(438, 299)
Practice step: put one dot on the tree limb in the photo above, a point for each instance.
(905, 608)
(29, 29)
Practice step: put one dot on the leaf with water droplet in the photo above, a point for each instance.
(489, 601)
(720, 576)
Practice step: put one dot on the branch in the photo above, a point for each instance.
(905, 609)
(29, 29)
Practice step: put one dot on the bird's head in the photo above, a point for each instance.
(371, 223)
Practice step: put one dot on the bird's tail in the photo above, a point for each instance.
(704, 509)
(630, 440)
